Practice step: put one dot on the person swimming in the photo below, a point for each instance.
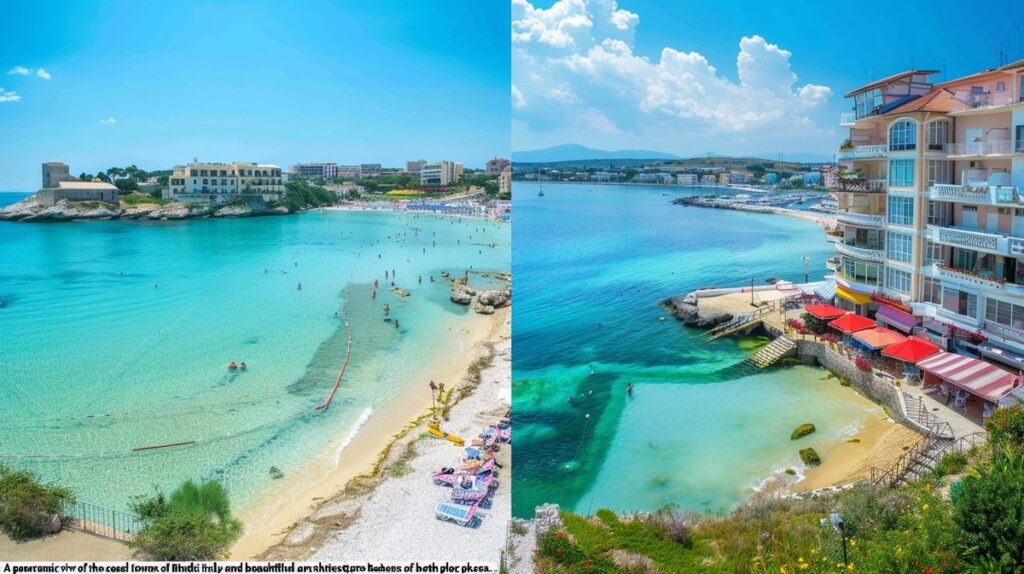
(232, 366)
(242, 366)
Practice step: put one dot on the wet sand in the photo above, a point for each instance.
(270, 518)
(880, 444)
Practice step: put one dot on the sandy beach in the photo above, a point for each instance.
(303, 493)
(880, 444)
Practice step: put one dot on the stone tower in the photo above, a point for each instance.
(53, 172)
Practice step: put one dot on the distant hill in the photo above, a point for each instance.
(577, 152)
(796, 157)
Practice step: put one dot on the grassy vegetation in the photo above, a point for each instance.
(141, 199)
(27, 506)
(194, 523)
(967, 516)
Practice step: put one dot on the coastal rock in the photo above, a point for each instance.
(802, 431)
(462, 294)
(66, 210)
(139, 211)
(18, 211)
(481, 308)
(179, 211)
(496, 298)
(234, 210)
(810, 457)
(686, 309)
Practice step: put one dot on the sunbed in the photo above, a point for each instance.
(462, 515)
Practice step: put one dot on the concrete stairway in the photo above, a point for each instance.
(771, 353)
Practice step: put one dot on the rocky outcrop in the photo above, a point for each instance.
(462, 294)
(687, 310)
(30, 210)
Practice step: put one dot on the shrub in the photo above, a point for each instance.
(814, 324)
(672, 525)
(989, 508)
(1006, 427)
(194, 523)
(951, 463)
(301, 195)
(862, 363)
(27, 507)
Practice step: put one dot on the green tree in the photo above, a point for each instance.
(1006, 427)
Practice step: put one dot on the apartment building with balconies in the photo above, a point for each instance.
(225, 182)
(930, 209)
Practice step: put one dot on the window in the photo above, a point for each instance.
(897, 280)
(938, 135)
(1000, 86)
(1004, 313)
(932, 253)
(901, 210)
(900, 246)
(959, 302)
(865, 103)
(902, 135)
(901, 173)
(932, 290)
(940, 171)
(862, 272)
(939, 213)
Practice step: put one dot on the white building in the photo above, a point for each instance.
(505, 180)
(440, 173)
(323, 170)
(225, 182)
(687, 179)
(415, 166)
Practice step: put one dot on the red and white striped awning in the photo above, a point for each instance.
(972, 375)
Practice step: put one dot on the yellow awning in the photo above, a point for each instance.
(852, 296)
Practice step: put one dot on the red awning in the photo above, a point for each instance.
(824, 311)
(852, 323)
(972, 375)
(912, 350)
(878, 338)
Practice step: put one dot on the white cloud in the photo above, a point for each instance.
(43, 74)
(6, 96)
(517, 98)
(110, 120)
(576, 62)
(19, 70)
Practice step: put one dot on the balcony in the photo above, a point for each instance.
(977, 239)
(847, 119)
(855, 185)
(982, 280)
(980, 149)
(983, 194)
(973, 103)
(861, 219)
(863, 152)
(862, 253)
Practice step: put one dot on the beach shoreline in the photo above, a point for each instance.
(270, 517)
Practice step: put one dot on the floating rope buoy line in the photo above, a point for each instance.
(150, 448)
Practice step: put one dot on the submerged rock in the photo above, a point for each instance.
(802, 431)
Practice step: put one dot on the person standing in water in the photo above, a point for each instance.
(629, 388)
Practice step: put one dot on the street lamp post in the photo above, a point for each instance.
(836, 519)
(807, 261)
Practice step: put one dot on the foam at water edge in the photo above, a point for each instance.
(360, 421)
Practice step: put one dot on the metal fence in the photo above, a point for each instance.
(106, 522)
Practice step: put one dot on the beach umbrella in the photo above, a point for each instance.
(912, 350)
(878, 338)
(851, 323)
(824, 311)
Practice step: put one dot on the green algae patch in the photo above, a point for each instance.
(802, 431)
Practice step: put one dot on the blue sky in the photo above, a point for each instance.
(280, 82)
(576, 83)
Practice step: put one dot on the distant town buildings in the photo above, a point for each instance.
(505, 180)
(496, 165)
(224, 182)
(687, 179)
(322, 170)
(415, 166)
(440, 173)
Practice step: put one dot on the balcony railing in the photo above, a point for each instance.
(983, 148)
(863, 253)
(862, 219)
(971, 238)
(863, 152)
(969, 101)
(860, 185)
(847, 119)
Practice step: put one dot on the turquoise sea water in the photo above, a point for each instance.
(591, 265)
(116, 335)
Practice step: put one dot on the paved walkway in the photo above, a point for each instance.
(963, 423)
(69, 545)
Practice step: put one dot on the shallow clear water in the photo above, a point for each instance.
(116, 335)
(592, 263)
